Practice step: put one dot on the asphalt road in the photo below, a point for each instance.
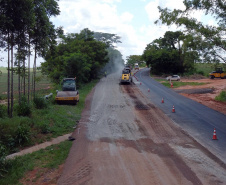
(196, 119)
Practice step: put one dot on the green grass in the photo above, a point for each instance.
(206, 68)
(221, 97)
(45, 159)
(41, 126)
(178, 83)
(41, 81)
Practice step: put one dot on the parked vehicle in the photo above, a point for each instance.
(69, 94)
(136, 66)
(173, 78)
(219, 73)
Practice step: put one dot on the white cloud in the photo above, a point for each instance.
(172, 4)
(212, 22)
(152, 7)
(126, 17)
(110, 1)
(152, 10)
(101, 16)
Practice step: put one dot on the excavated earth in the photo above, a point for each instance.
(205, 94)
(122, 138)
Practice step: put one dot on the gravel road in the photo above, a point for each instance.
(123, 138)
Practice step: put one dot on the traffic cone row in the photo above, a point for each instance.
(214, 131)
(173, 110)
(135, 75)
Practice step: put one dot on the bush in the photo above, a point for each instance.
(15, 132)
(3, 111)
(2, 160)
(221, 96)
(44, 127)
(24, 108)
(201, 73)
(39, 102)
(22, 134)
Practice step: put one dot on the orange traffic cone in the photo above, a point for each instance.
(162, 100)
(214, 134)
(173, 110)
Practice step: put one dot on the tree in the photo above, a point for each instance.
(211, 43)
(169, 54)
(13, 18)
(132, 59)
(77, 55)
(43, 32)
(109, 39)
(21, 26)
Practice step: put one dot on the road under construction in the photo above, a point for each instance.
(127, 135)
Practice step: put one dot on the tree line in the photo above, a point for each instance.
(25, 27)
(177, 52)
(82, 55)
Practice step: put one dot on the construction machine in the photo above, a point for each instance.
(219, 73)
(136, 66)
(69, 94)
(126, 76)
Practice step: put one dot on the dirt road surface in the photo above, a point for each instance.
(123, 139)
(207, 99)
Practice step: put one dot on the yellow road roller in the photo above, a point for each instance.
(69, 94)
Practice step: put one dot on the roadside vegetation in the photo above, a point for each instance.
(178, 83)
(206, 68)
(44, 161)
(42, 82)
(221, 97)
(37, 122)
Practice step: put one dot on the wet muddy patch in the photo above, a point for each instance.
(140, 106)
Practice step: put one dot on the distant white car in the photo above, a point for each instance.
(173, 78)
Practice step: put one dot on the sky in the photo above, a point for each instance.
(132, 20)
